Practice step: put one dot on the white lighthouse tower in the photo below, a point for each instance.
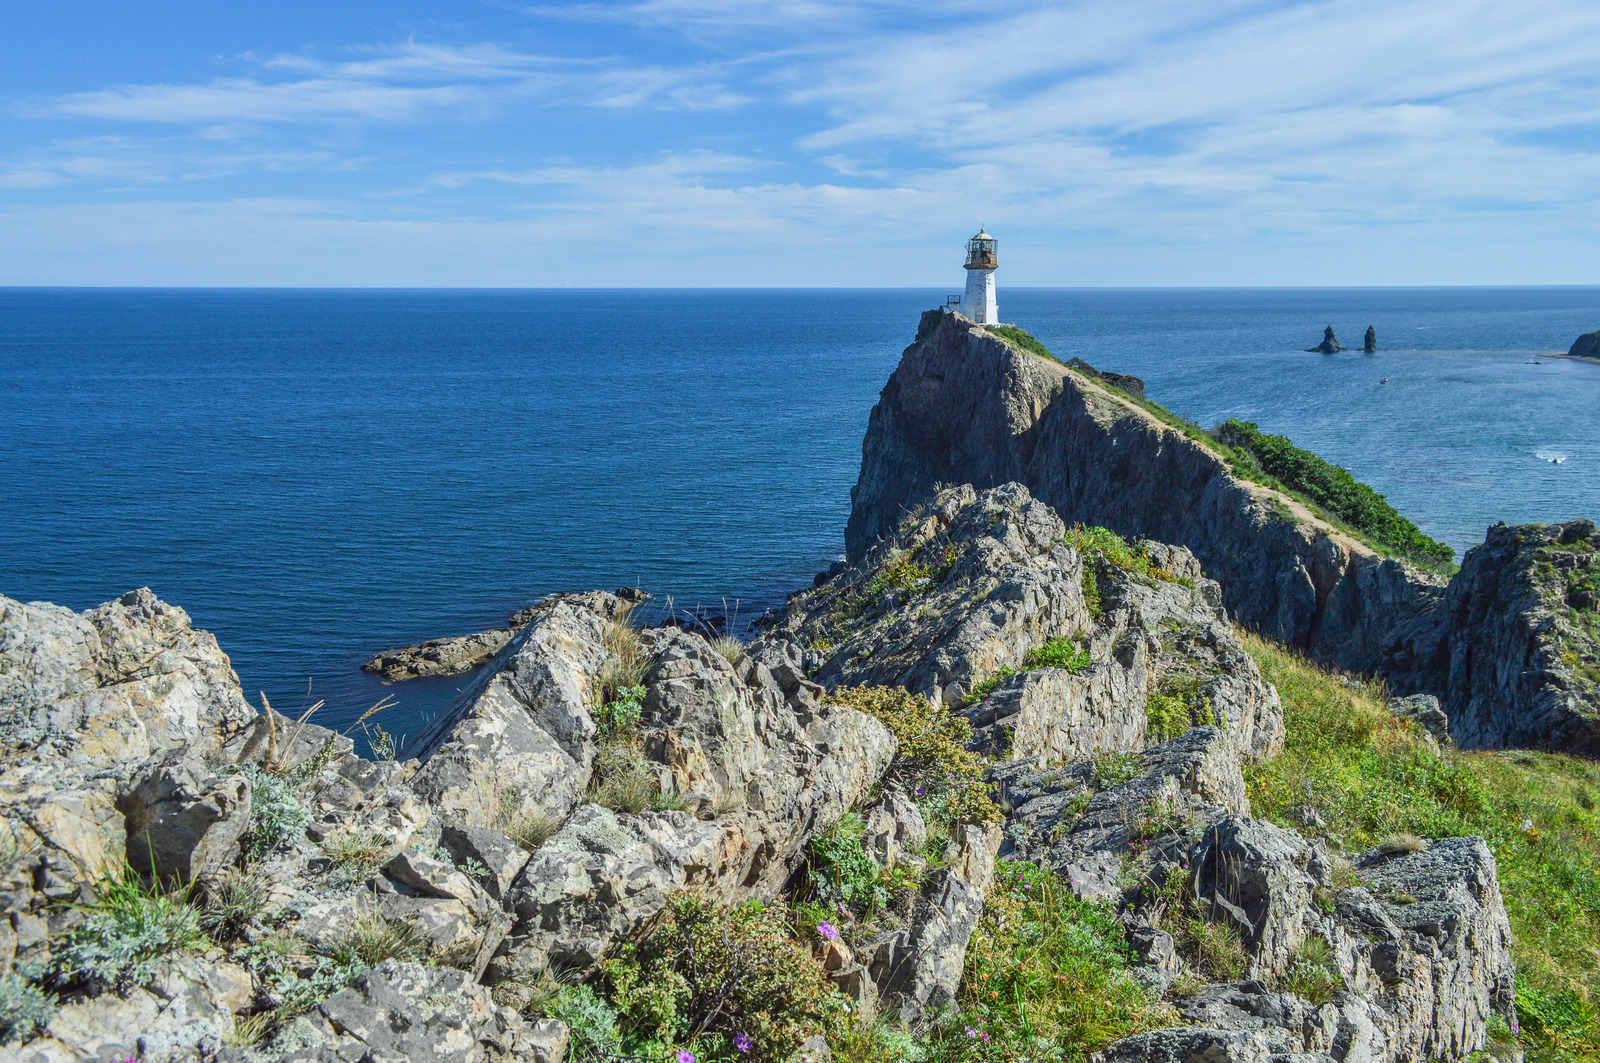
(978, 304)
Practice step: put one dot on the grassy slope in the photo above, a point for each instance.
(1244, 465)
(1369, 776)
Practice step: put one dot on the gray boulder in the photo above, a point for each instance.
(1254, 876)
(502, 858)
(404, 1011)
(183, 821)
(1424, 708)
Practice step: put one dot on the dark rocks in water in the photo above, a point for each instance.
(1121, 381)
(1329, 344)
(1370, 344)
(1586, 346)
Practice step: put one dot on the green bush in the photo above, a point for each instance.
(931, 755)
(127, 937)
(25, 1009)
(622, 714)
(839, 871)
(711, 976)
(278, 817)
(1023, 339)
(1060, 652)
(1046, 977)
(1259, 456)
(984, 687)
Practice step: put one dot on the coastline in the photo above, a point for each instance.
(1573, 358)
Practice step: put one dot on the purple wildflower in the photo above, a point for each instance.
(743, 1043)
(829, 931)
(685, 1056)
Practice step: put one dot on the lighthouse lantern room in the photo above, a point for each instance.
(978, 303)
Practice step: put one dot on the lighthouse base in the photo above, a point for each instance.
(978, 303)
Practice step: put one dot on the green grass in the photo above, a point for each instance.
(1046, 977)
(1060, 652)
(1376, 778)
(1327, 490)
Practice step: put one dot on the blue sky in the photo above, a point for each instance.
(800, 142)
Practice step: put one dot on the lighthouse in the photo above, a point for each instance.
(978, 304)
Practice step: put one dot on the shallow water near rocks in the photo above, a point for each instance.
(319, 475)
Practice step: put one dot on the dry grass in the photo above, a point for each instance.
(528, 828)
(729, 649)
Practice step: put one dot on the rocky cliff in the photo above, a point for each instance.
(965, 406)
(1513, 648)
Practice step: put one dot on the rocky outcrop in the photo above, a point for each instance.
(965, 406)
(1513, 649)
(1585, 346)
(1369, 343)
(1329, 344)
(458, 654)
(960, 602)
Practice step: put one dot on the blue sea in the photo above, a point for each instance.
(319, 475)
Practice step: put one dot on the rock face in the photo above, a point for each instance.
(965, 406)
(1586, 346)
(1511, 651)
(1329, 345)
(1125, 382)
(954, 603)
(1369, 343)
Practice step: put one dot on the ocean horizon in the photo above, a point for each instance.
(317, 475)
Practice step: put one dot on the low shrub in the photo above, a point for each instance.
(129, 934)
(713, 979)
(621, 714)
(1263, 457)
(1214, 947)
(278, 818)
(839, 871)
(931, 755)
(25, 1008)
(1313, 974)
(1060, 652)
(984, 687)
(1114, 769)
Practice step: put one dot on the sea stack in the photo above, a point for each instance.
(1370, 344)
(1329, 344)
(1586, 346)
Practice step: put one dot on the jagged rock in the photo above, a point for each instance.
(1254, 876)
(1066, 819)
(917, 968)
(184, 1016)
(1158, 961)
(1585, 346)
(113, 684)
(403, 1011)
(1440, 962)
(278, 744)
(501, 857)
(1369, 343)
(183, 821)
(1509, 651)
(894, 827)
(432, 877)
(523, 724)
(1329, 344)
(750, 741)
(1187, 1044)
(965, 406)
(1424, 708)
(1008, 583)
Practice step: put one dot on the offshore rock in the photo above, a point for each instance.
(1511, 650)
(446, 656)
(523, 727)
(1369, 343)
(1586, 346)
(1329, 345)
(966, 406)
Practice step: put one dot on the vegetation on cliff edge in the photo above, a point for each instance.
(1372, 777)
(1273, 461)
